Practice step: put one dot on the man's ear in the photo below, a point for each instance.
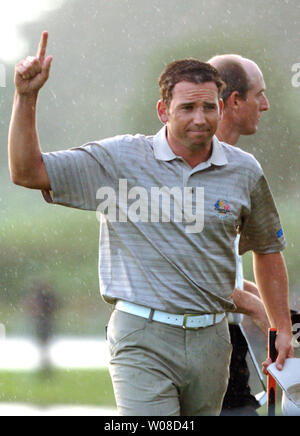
(234, 100)
(162, 111)
(221, 108)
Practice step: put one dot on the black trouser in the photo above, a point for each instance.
(238, 399)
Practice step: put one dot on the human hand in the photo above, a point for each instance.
(284, 349)
(32, 72)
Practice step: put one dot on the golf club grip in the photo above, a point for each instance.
(272, 340)
(272, 353)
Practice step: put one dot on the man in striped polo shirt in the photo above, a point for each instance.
(170, 207)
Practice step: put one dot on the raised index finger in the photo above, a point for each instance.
(42, 46)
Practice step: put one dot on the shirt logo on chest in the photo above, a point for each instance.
(223, 209)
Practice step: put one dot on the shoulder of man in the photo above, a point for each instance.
(242, 158)
(119, 141)
(117, 147)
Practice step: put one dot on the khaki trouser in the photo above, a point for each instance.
(163, 370)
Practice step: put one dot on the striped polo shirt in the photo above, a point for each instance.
(167, 231)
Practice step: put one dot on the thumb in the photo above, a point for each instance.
(280, 360)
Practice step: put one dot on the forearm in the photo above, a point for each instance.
(272, 280)
(252, 306)
(251, 287)
(25, 158)
(24, 151)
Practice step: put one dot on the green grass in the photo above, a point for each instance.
(64, 387)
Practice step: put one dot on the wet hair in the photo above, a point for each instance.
(188, 70)
(233, 74)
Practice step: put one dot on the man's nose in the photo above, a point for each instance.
(199, 117)
(265, 105)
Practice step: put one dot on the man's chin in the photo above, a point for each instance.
(250, 131)
(199, 137)
(199, 133)
(197, 145)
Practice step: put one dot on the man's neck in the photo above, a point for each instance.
(226, 133)
(193, 156)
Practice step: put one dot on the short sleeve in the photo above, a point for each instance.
(261, 230)
(77, 174)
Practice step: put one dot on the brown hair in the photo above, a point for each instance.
(233, 74)
(189, 70)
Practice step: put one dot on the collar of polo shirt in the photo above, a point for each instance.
(163, 151)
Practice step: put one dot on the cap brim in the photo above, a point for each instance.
(289, 375)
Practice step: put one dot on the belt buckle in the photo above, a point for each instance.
(185, 318)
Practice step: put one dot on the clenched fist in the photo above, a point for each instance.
(32, 73)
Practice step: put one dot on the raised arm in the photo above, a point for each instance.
(272, 281)
(25, 159)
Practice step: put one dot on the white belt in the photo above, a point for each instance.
(187, 321)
